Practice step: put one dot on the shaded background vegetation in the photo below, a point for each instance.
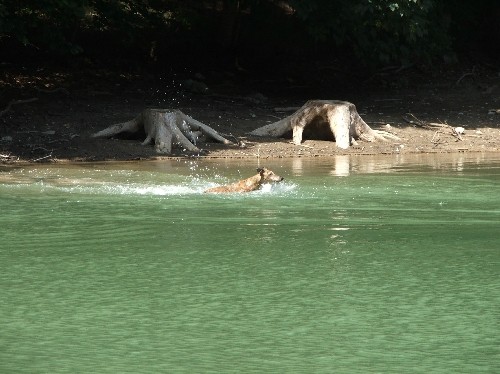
(254, 34)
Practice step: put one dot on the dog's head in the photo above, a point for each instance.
(268, 175)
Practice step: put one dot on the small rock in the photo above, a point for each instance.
(7, 138)
(459, 130)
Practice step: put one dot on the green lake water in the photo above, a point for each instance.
(351, 265)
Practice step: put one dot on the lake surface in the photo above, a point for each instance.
(351, 265)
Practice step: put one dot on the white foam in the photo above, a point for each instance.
(190, 186)
(276, 189)
(136, 189)
(154, 190)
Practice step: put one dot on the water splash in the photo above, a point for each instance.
(134, 189)
(128, 182)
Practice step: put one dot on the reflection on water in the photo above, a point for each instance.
(340, 166)
(344, 165)
(351, 265)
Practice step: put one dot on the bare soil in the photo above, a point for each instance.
(72, 105)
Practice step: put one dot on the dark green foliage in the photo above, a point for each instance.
(379, 31)
(46, 24)
(376, 32)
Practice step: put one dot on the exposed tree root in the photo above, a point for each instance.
(165, 127)
(333, 118)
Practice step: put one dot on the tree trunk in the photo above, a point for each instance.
(165, 127)
(339, 118)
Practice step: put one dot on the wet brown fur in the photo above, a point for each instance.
(250, 184)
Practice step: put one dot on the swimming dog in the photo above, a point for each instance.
(250, 184)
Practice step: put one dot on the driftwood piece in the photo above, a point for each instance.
(339, 119)
(165, 127)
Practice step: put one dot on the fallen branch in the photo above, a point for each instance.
(454, 131)
(423, 124)
(415, 121)
(43, 158)
(8, 157)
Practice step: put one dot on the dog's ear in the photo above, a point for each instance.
(260, 170)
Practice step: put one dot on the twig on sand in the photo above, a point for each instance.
(43, 158)
(433, 126)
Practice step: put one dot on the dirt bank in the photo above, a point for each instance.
(57, 112)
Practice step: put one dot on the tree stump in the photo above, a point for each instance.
(338, 119)
(165, 127)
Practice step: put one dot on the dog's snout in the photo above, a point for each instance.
(275, 178)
